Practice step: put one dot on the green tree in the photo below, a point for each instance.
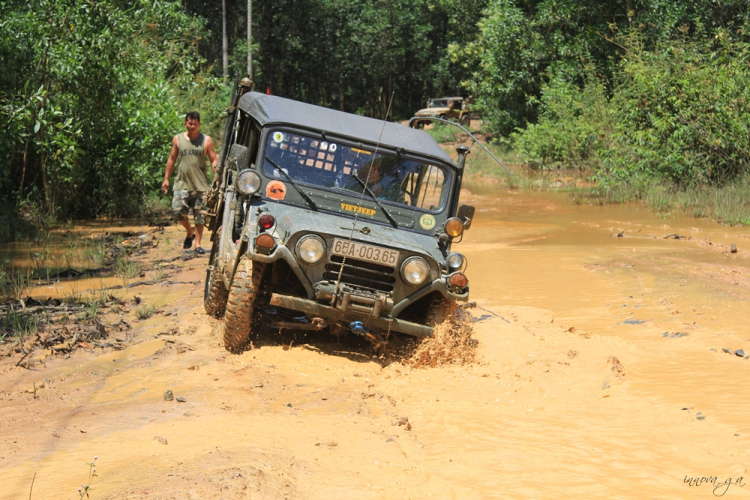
(88, 100)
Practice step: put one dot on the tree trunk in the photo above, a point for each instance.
(224, 40)
(47, 194)
(23, 170)
(249, 39)
(341, 90)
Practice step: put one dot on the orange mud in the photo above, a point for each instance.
(600, 374)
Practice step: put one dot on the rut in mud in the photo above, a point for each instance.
(603, 366)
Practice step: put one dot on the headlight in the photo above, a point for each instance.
(248, 182)
(415, 270)
(454, 227)
(455, 261)
(311, 249)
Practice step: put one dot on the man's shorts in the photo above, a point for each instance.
(183, 201)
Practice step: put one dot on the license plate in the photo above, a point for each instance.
(362, 251)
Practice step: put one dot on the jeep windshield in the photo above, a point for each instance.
(333, 165)
(438, 103)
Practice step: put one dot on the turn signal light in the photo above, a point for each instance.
(458, 280)
(454, 227)
(266, 221)
(265, 241)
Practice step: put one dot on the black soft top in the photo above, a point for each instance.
(273, 110)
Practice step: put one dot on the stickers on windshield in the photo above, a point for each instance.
(324, 146)
(332, 148)
(276, 190)
(278, 136)
(427, 221)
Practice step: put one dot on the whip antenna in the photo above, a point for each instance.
(361, 199)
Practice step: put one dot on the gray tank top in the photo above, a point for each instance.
(191, 165)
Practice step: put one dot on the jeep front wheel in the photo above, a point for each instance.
(240, 316)
(215, 292)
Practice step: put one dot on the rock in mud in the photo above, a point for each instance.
(181, 400)
(160, 439)
(168, 396)
(733, 248)
(403, 421)
(617, 368)
(740, 353)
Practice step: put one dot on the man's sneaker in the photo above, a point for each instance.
(188, 242)
(199, 250)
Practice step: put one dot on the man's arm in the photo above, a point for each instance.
(212, 156)
(211, 153)
(170, 164)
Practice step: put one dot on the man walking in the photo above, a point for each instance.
(189, 150)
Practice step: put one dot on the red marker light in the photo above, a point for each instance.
(266, 221)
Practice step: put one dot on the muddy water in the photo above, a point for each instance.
(602, 375)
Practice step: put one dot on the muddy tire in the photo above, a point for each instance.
(240, 316)
(215, 292)
(441, 310)
(465, 121)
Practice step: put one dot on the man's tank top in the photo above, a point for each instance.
(191, 165)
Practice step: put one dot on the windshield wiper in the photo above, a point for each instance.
(294, 183)
(377, 202)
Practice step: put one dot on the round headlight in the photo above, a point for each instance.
(311, 249)
(415, 270)
(454, 227)
(455, 261)
(248, 182)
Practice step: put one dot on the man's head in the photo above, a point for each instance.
(192, 122)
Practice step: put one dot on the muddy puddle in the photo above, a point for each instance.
(608, 367)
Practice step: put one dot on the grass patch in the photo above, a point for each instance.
(444, 133)
(145, 311)
(126, 268)
(18, 326)
(14, 281)
(729, 204)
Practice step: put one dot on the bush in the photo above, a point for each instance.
(574, 127)
(87, 101)
(677, 113)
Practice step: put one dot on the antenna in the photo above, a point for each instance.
(361, 199)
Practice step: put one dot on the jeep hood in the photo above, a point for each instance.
(294, 220)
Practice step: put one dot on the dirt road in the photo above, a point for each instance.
(602, 373)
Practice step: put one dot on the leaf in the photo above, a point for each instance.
(37, 125)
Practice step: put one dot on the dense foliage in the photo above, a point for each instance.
(347, 54)
(87, 96)
(641, 91)
(91, 92)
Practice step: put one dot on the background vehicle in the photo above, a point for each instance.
(447, 108)
(325, 219)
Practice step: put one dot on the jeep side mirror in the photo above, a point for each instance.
(466, 215)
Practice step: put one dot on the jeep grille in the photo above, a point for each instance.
(361, 273)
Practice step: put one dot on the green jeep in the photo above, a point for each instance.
(328, 220)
